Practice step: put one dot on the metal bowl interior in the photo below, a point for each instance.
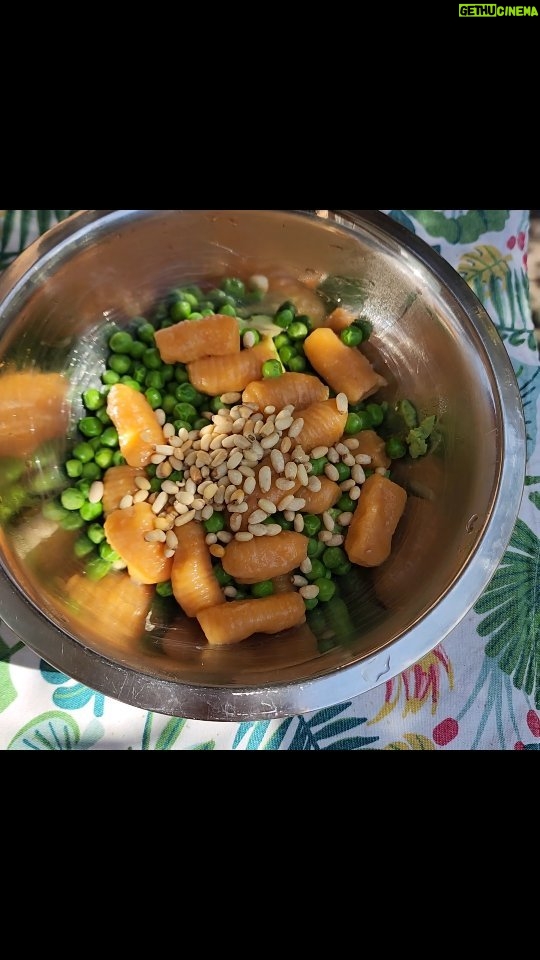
(436, 346)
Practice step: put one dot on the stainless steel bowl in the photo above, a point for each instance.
(438, 347)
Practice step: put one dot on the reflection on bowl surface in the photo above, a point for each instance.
(430, 341)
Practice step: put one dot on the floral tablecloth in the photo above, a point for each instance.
(478, 690)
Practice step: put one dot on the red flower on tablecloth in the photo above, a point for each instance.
(533, 723)
(417, 685)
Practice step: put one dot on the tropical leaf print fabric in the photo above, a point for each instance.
(479, 690)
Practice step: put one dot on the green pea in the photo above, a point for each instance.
(110, 377)
(155, 484)
(228, 310)
(297, 330)
(139, 373)
(121, 342)
(287, 353)
(104, 457)
(216, 404)
(109, 437)
(345, 504)
(146, 333)
(271, 368)
(164, 589)
(71, 498)
(215, 523)
(395, 448)
(151, 358)
(154, 397)
(196, 315)
(185, 411)
(106, 552)
(234, 287)
(118, 459)
(352, 336)
(83, 546)
(121, 363)
(343, 569)
(315, 548)
(97, 568)
(168, 402)
(180, 310)
(284, 318)
(317, 571)
(192, 295)
(201, 422)
(180, 373)
(84, 485)
(137, 349)
(312, 524)
(343, 470)
(71, 521)
(317, 465)
(224, 579)
(281, 341)
(90, 426)
(297, 364)
(186, 393)
(90, 511)
(95, 533)
(376, 413)
(74, 468)
(130, 382)
(264, 588)
(353, 423)
(327, 589)
(333, 557)
(167, 372)
(311, 603)
(103, 416)
(91, 471)
(93, 399)
(153, 378)
(217, 297)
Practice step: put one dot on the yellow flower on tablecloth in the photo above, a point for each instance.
(417, 685)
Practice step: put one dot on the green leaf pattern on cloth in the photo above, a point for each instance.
(478, 690)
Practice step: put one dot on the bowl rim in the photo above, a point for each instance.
(207, 702)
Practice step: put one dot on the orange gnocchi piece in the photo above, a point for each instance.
(193, 581)
(33, 409)
(236, 621)
(262, 558)
(115, 606)
(135, 422)
(380, 507)
(189, 340)
(118, 482)
(346, 369)
(317, 501)
(300, 389)
(230, 373)
(125, 530)
(323, 425)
